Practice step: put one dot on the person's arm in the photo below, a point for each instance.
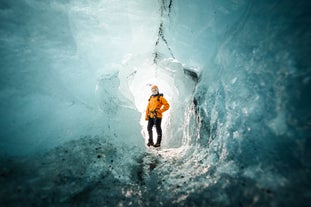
(147, 112)
(165, 105)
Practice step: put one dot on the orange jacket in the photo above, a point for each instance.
(156, 106)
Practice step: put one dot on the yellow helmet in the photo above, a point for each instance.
(154, 87)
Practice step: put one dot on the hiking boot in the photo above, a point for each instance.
(150, 144)
(157, 145)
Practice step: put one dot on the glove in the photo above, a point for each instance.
(146, 118)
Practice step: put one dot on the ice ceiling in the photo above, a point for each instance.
(236, 73)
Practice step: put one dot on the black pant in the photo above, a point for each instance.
(157, 123)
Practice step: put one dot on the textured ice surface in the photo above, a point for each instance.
(75, 79)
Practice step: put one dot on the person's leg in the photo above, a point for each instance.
(159, 132)
(149, 128)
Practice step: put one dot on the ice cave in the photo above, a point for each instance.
(75, 82)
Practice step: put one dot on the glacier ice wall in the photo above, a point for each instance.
(237, 75)
(55, 58)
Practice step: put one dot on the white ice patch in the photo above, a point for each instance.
(278, 124)
(265, 177)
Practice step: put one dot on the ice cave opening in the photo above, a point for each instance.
(177, 87)
(75, 81)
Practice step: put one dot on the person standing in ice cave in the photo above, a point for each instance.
(157, 104)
